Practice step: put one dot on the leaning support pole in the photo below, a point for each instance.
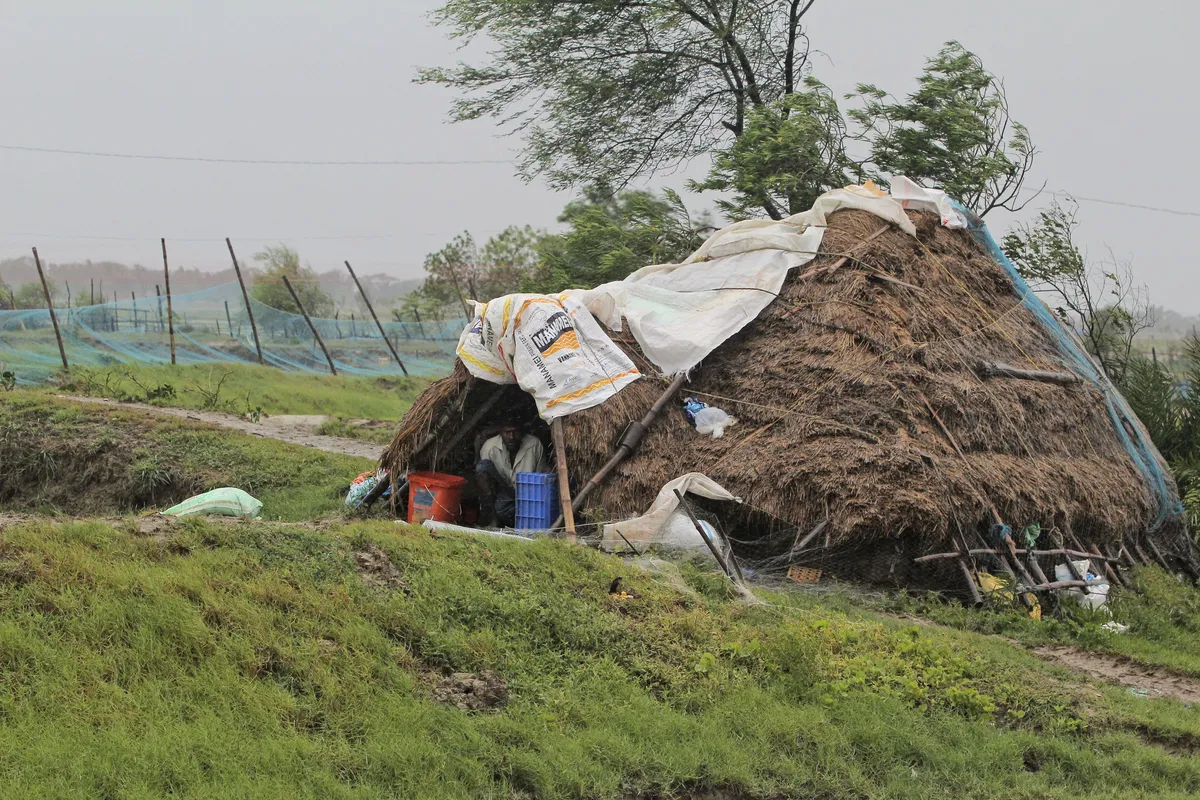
(371, 308)
(50, 307)
(629, 442)
(311, 327)
(229, 320)
(245, 297)
(564, 485)
(170, 313)
(704, 535)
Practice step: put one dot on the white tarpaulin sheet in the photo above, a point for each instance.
(551, 347)
(678, 313)
(665, 523)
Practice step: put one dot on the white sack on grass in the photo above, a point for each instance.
(665, 523)
(1094, 595)
(551, 347)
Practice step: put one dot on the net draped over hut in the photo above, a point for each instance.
(867, 394)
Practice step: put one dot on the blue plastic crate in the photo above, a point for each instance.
(537, 500)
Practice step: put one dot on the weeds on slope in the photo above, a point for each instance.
(219, 660)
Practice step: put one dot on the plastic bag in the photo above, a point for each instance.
(713, 420)
(363, 485)
(224, 502)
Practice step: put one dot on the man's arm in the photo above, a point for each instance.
(494, 450)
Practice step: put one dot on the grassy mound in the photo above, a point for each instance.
(235, 660)
(81, 459)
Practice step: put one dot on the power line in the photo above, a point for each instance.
(290, 162)
(1160, 209)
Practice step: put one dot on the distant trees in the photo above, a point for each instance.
(29, 295)
(268, 287)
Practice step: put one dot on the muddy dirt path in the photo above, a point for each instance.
(291, 428)
(1145, 680)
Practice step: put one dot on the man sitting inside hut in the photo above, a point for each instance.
(500, 459)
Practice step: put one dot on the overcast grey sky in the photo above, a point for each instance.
(1106, 88)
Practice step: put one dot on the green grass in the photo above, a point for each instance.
(59, 456)
(253, 661)
(1162, 613)
(357, 429)
(242, 388)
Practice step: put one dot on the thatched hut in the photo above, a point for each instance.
(900, 387)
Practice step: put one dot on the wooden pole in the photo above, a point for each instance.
(704, 535)
(307, 319)
(246, 298)
(371, 308)
(564, 486)
(800, 544)
(116, 313)
(629, 441)
(228, 319)
(158, 301)
(92, 296)
(170, 310)
(50, 307)
(133, 299)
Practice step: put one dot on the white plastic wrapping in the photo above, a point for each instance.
(664, 523)
(550, 346)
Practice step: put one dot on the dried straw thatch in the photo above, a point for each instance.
(830, 387)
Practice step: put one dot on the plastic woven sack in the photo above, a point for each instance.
(225, 502)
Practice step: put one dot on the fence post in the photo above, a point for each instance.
(170, 313)
(246, 298)
(311, 327)
(50, 307)
(229, 320)
(371, 308)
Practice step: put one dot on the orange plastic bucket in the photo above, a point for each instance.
(433, 495)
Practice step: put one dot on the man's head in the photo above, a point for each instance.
(511, 434)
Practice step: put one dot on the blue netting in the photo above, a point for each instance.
(212, 326)
(1141, 451)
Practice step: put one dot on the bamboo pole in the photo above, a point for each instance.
(92, 296)
(246, 298)
(1158, 556)
(704, 535)
(229, 320)
(564, 486)
(133, 299)
(307, 319)
(379, 325)
(800, 544)
(170, 312)
(50, 307)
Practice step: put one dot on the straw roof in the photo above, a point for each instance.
(836, 386)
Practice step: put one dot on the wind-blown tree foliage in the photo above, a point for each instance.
(619, 89)
(791, 151)
(463, 271)
(1170, 410)
(954, 132)
(269, 290)
(1100, 301)
(609, 236)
